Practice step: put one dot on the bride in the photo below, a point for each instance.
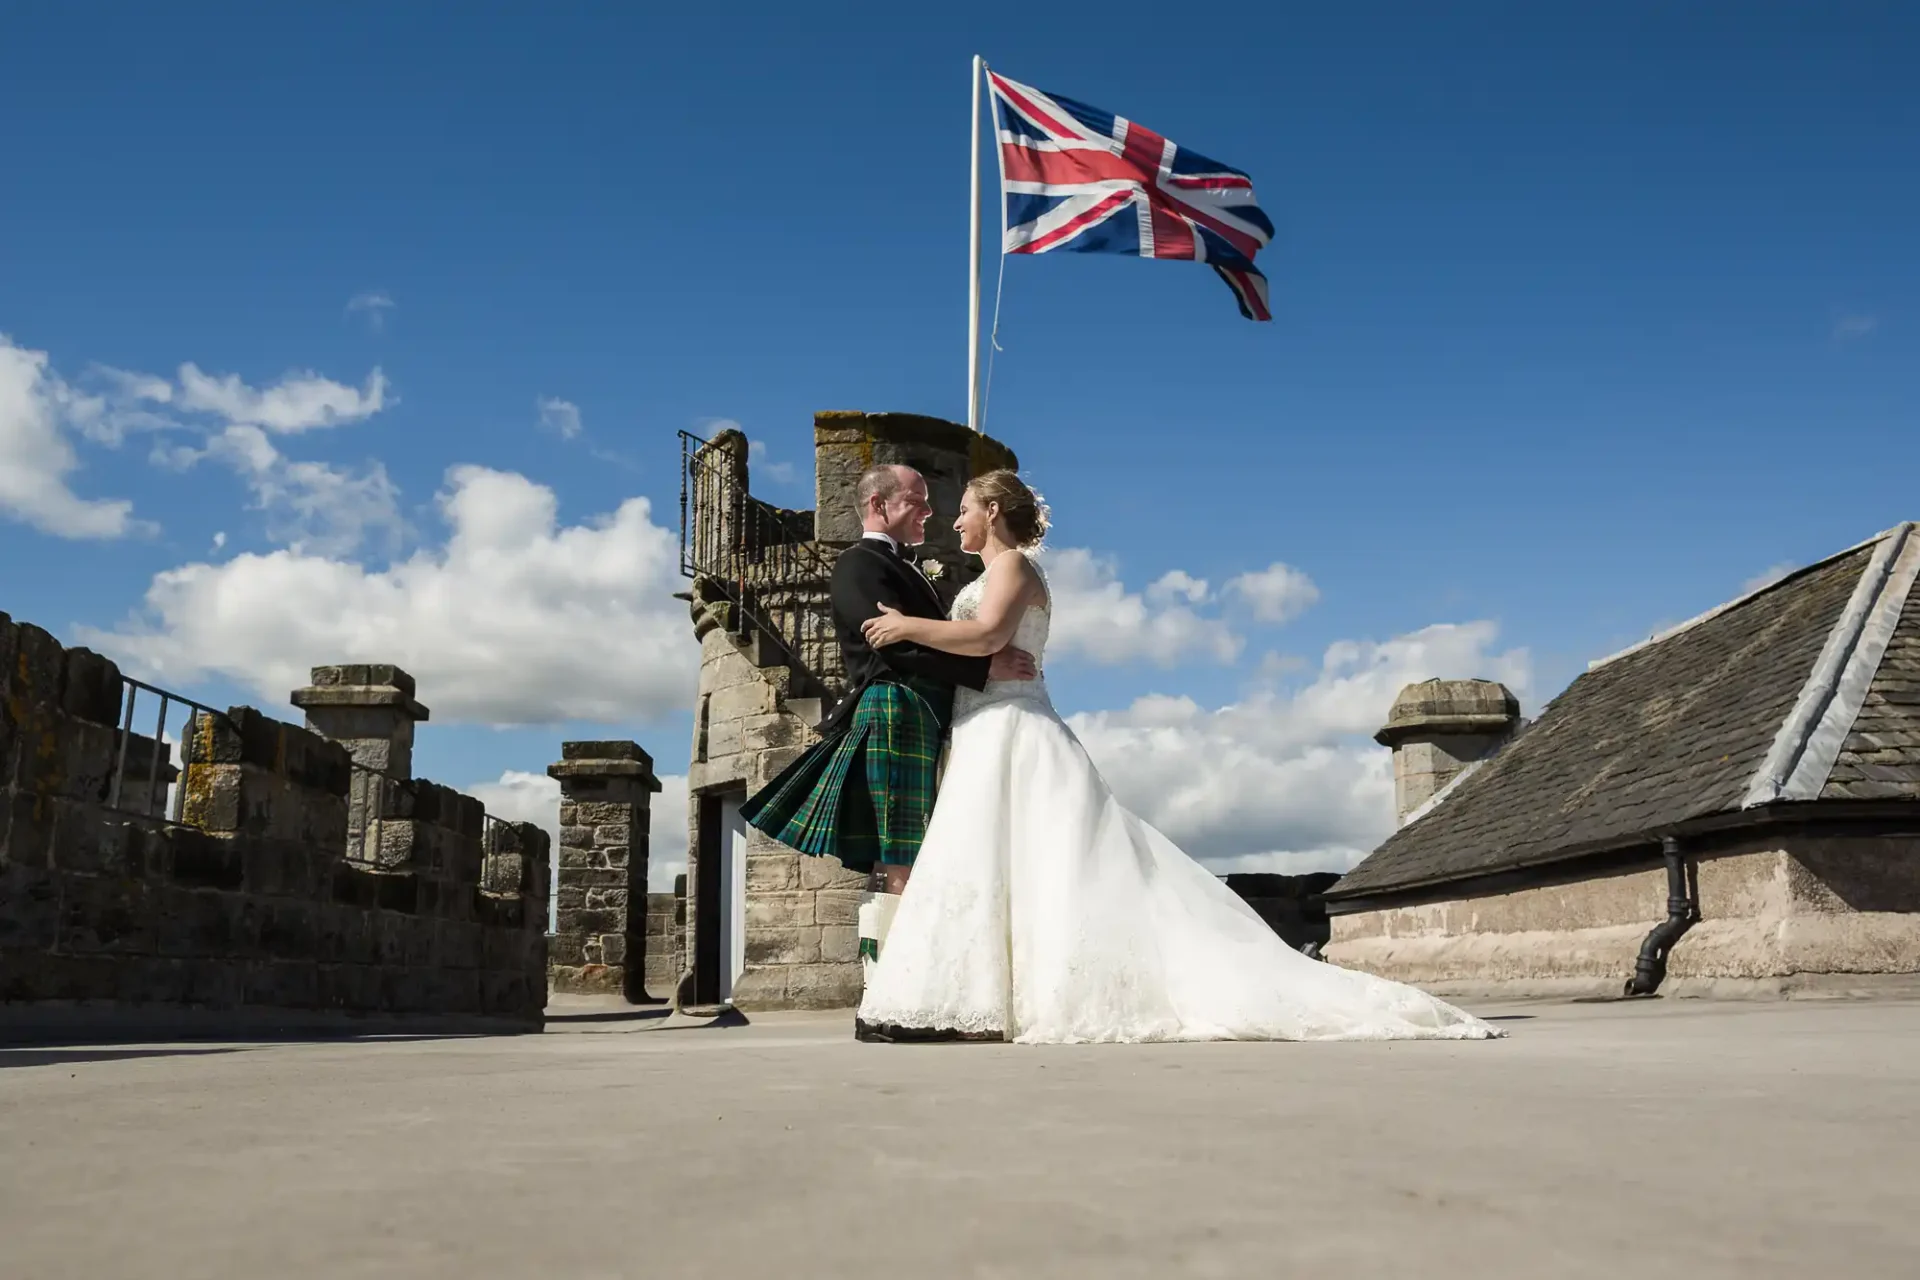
(1041, 911)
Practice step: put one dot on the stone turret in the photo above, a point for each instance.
(1439, 727)
(949, 455)
(765, 927)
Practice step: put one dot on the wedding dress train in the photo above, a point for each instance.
(1042, 909)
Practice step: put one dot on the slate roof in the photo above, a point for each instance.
(1806, 690)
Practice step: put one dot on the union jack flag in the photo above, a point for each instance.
(1084, 180)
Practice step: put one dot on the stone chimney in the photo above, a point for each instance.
(1439, 727)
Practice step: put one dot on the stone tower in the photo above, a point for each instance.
(767, 928)
(1439, 727)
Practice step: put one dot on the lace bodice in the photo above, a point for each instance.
(1030, 635)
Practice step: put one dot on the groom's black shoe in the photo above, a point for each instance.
(887, 1033)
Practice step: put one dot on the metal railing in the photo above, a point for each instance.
(761, 559)
(150, 789)
(373, 793)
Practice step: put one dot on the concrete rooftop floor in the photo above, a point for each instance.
(1651, 1139)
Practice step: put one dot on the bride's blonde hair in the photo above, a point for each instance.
(1024, 511)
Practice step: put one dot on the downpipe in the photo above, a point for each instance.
(1683, 912)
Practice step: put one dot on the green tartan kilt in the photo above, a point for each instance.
(864, 795)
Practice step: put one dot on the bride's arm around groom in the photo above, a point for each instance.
(1012, 587)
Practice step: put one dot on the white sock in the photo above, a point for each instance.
(875, 918)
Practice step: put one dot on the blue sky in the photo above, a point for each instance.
(1585, 317)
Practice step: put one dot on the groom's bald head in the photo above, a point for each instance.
(893, 501)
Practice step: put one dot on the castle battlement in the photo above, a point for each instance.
(294, 883)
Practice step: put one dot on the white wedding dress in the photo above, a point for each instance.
(1041, 909)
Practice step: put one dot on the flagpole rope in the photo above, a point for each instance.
(993, 339)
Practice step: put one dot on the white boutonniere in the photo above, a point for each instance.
(934, 570)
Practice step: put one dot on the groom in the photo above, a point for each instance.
(864, 792)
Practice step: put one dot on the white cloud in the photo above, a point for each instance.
(1285, 780)
(298, 402)
(1277, 593)
(518, 796)
(1768, 576)
(516, 619)
(374, 304)
(1096, 617)
(561, 417)
(1274, 664)
(760, 462)
(37, 409)
(311, 507)
(1178, 584)
(1849, 328)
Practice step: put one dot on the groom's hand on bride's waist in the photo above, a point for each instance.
(1012, 664)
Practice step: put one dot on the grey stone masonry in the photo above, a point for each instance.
(369, 709)
(1439, 727)
(601, 930)
(245, 912)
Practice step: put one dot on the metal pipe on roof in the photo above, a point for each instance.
(1683, 912)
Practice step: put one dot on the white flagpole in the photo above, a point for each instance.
(973, 260)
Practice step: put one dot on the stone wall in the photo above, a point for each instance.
(1777, 913)
(666, 933)
(252, 909)
(1292, 906)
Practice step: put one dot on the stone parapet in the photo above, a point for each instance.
(248, 908)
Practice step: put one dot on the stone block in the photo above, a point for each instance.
(765, 766)
(42, 976)
(837, 906)
(105, 914)
(213, 797)
(827, 873)
(591, 920)
(740, 702)
(282, 985)
(30, 819)
(29, 907)
(772, 872)
(783, 946)
(363, 674)
(607, 900)
(214, 983)
(566, 948)
(723, 740)
(605, 749)
(761, 988)
(762, 733)
(91, 688)
(289, 931)
(38, 664)
(150, 980)
(602, 813)
(824, 986)
(202, 860)
(840, 944)
(461, 944)
(779, 911)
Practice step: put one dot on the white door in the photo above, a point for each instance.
(733, 893)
